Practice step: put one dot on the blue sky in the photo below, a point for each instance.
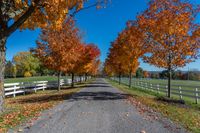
(98, 26)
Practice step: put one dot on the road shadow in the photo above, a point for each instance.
(98, 83)
(96, 86)
(74, 97)
(98, 96)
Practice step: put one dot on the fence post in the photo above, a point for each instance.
(22, 87)
(15, 86)
(142, 85)
(43, 85)
(158, 89)
(146, 86)
(151, 87)
(35, 87)
(166, 90)
(196, 95)
(180, 93)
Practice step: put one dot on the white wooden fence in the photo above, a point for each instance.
(40, 85)
(181, 91)
(11, 89)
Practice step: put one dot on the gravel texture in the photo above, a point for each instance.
(98, 108)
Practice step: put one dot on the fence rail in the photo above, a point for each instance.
(181, 91)
(12, 89)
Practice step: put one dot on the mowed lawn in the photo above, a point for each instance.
(31, 79)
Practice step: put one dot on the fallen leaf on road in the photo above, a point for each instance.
(142, 131)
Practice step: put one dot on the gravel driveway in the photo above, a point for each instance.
(98, 108)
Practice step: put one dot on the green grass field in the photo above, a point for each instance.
(30, 79)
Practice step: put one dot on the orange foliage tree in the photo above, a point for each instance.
(146, 74)
(133, 46)
(88, 63)
(32, 14)
(126, 50)
(59, 49)
(115, 63)
(172, 35)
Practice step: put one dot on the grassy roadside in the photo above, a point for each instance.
(187, 116)
(24, 108)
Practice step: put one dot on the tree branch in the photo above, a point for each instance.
(20, 21)
(85, 8)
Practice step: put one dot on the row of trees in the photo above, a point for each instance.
(31, 14)
(57, 51)
(165, 35)
(64, 52)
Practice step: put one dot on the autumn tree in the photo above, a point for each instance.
(126, 50)
(26, 64)
(92, 62)
(31, 14)
(88, 63)
(139, 73)
(172, 34)
(133, 46)
(107, 69)
(10, 71)
(116, 61)
(59, 49)
(146, 74)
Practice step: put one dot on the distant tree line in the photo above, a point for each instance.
(177, 75)
(25, 64)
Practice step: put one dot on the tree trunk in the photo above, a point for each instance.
(169, 82)
(59, 76)
(80, 78)
(130, 78)
(169, 76)
(2, 69)
(72, 84)
(85, 77)
(119, 78)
